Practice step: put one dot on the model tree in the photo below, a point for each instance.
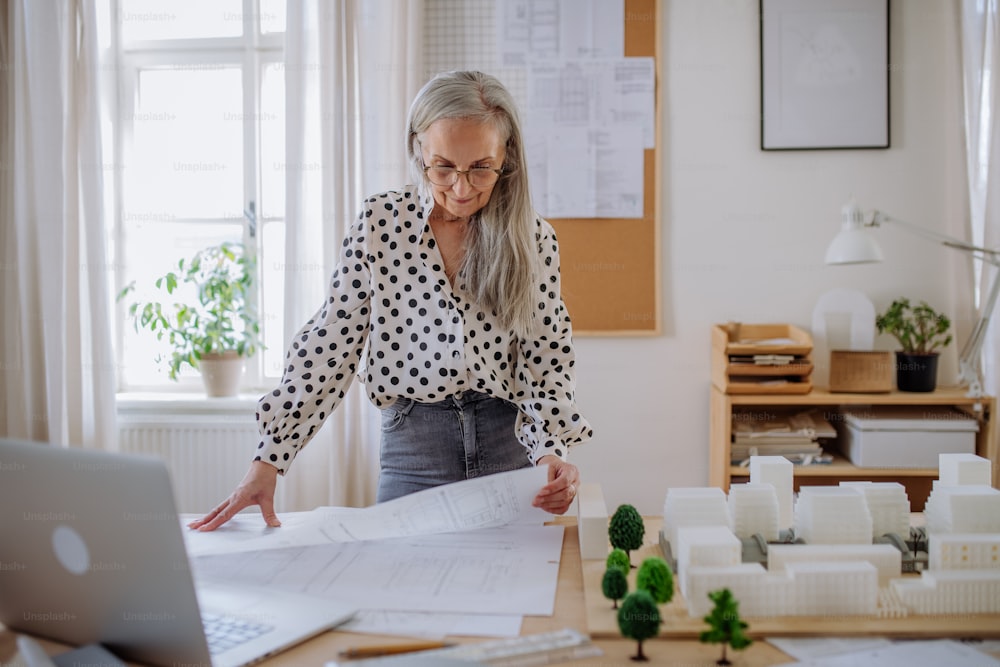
(655, 577)
(614, 585)
(725, 626)
(626, 529)
(639, 619)
(618, 558)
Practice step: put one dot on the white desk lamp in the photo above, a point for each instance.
(854, 245)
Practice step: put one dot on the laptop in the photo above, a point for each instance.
(93, 553)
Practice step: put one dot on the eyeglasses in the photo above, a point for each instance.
(478, 177)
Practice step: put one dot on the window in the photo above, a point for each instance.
(200, 137)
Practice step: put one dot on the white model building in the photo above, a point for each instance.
(776, 471)
(963, 470)
(710, 546)
(951, 592)
(888, 505)
(885, 558)
(964, 551)
(832, 515)
(821, 588)
(694, 506)
(963, 509)
(753, 509)
(839, 571)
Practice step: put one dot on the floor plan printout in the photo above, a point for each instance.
(513, 569)
(482, 502)
(476, 546)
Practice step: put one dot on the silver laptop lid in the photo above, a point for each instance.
(92, 552)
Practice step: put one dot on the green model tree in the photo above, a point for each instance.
(614, 585)
(655, 576)
(639, 619)
(618, 558)
(725, 626)
(626, 529)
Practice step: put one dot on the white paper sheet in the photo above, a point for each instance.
(481, 502)
(588, 124)
(943, 653)
(533, 30)
(493, 500)
(508, 570)
(814, 648)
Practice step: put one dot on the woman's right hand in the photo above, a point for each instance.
(257, 488)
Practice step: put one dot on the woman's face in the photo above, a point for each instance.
(462, 144)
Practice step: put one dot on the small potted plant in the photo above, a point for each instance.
(921, 331)
(218, 328)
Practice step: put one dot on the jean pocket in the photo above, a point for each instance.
(392, 419)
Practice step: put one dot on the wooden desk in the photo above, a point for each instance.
(570, 611)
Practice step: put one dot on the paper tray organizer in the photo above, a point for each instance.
(761, 358)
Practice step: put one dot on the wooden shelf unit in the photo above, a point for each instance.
(916, 480)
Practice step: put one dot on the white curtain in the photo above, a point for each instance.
(57, 378)
(351, 68)
(980, 69)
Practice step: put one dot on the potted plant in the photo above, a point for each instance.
(921, 331)
(218, 328)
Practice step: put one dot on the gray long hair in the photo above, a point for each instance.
(500, 266)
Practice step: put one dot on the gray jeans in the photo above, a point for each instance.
(428, 444)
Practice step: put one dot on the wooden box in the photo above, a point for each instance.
(761, 358)
(861, 371)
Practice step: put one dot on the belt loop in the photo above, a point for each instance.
(406, 404)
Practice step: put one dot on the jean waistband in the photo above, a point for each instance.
(458, 400)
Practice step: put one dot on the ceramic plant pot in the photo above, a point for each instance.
(221, 373)
(916, 372)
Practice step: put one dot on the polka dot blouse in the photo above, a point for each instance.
(426, 341)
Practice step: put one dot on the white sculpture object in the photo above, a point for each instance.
(963, 470)
(776, 471)
(839, 571)
(832, 515)
(753, 509)
(694, 506)
(888, 505)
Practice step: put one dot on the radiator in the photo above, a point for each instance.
(206, 451)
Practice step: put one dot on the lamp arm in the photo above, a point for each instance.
(986, 254)
(970, 358)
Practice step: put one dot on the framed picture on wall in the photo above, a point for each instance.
(824, 74)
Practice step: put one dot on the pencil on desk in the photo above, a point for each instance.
(390, 649)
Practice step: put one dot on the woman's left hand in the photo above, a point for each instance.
(564, 480)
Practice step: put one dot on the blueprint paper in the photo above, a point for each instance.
(481, 502)
(511, 570)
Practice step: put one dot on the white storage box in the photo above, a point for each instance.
(905, 437)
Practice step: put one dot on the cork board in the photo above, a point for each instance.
(611, 266)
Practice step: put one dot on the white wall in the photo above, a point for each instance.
(744, 231)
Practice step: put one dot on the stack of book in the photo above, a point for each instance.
(798, 435)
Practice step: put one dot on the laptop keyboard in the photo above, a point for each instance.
(225, 632)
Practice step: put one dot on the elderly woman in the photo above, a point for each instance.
(454, 285)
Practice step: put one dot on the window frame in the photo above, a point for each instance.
(251, 53)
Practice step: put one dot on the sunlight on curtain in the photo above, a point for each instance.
(57, 364)
(980, 68)
(350, 72)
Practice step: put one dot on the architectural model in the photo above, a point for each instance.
(840, 569)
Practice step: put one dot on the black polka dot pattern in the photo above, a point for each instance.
(426, 341)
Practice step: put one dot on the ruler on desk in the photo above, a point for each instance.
(544, 648)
